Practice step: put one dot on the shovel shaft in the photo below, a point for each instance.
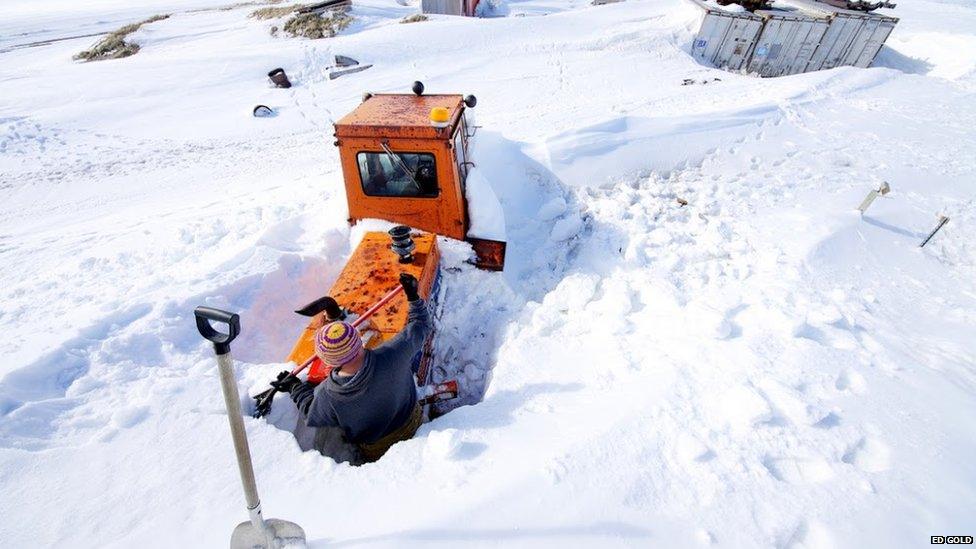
(233, 401)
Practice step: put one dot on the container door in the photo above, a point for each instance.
(847, 30)
(821, 52)
(742, 38)
(794, 32)
(707, 44)
(875, 42)
(806, 47)
(769, 48)
(861, 39)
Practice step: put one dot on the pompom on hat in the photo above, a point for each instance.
(337, 343)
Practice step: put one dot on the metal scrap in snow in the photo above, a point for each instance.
(263, 111)
(343, 61)
(320, 7)
(336, 74)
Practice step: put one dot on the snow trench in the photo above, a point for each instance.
(476, 308)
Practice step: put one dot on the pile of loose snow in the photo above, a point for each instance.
(758, 367)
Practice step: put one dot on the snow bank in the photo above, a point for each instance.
(731, 8)
(487, 218)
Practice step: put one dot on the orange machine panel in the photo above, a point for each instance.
(391, 116)
(371, 272)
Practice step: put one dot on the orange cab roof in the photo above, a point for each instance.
(399, 116)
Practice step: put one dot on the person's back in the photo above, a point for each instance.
(381, 395)
(370, 394)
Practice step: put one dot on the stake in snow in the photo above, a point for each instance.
(874, 193)
(942, 221)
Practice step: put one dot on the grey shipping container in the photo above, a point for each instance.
(787, 42)
(795, 36)
(725, 38)
(449, 7)
(853, 37)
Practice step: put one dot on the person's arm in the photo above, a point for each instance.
(303, 395)
(419, 324)
(412, 336)
(317, 411)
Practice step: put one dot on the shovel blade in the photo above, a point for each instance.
(283, 534)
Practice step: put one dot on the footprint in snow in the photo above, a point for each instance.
(739, 408)
(869, 455)
(799, 470)
(808, 534)
(827, 335)
(130, 417)
(849, 380)
(829, 421)
(692, 450)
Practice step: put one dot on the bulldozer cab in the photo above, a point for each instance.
(405, 160)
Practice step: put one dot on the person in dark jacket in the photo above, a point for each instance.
(370, 394)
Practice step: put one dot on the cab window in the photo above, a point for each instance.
(408, 175)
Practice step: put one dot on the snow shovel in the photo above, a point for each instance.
(263, 400)
(257, 532)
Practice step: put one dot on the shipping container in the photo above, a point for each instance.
(725, 38)
(449, 7)
(794, 36)
(853, 37)
(787, 42)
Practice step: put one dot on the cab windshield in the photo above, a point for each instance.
(408, 175)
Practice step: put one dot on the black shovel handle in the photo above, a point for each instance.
(220, 340)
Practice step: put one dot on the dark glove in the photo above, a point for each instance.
(286, 382)
(409, 283)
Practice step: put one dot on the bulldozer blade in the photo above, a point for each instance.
(280, 533)
(489, 254)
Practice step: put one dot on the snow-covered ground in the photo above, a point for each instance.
(762, 367)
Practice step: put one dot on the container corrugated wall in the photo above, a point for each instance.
(837, 41)
(874, 32)
(787, 42)
(443, 7)
(853, 38)
(449, 7)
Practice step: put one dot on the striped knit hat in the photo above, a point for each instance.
(337, 343)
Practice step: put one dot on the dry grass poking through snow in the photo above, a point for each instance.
(274, 12)
(114, 45)
(314, 26)
(305, 25)
(415, 18)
